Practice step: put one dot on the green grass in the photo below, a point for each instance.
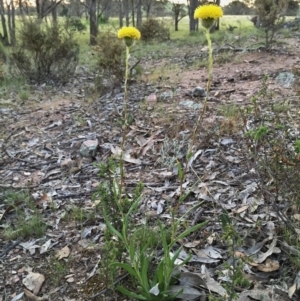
(24, 219)
(178, 40)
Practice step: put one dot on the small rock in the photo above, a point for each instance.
(286, 79)
(152, 98)
(166, 95)
(199, 92)
(227, 141)
(88, 148)
(191, 104)
(67, 163)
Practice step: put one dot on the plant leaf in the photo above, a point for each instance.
(130, 294)
(190, 230)
(126, 267)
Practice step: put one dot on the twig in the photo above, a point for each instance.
(10, 247)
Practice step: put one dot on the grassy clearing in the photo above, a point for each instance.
(244, 29)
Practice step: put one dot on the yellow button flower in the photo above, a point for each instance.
(129, 32)
(208, 11)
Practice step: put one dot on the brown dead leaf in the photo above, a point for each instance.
(269, 266)
(295, 286)
(32, 296)
(245, 258)
(63, 253)
(240, 210)
(192, 244)
(44, 199)
(34, 281)
(126, 156)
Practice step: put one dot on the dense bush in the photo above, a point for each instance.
(270, 17)
(75, 24)
(110, 67)
(237, 8)
(153, 29)
(44, 53)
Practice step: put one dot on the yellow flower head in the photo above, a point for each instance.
(208, 11)
(129, 32)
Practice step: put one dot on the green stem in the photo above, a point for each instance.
(124, 127)
(202, 112)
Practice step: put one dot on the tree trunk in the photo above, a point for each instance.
(43, 8)
(11, 22)
(126, 11)
(133, 12)
(176, 10)
(120, 13)
(193, 23)
(93, 22)
(4, 37)
(54, 15)
(21, 8)
(139, 14)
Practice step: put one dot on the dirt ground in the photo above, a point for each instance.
(41, 151)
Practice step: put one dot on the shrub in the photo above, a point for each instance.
(237, 8)
(44, 54)
(110, 69)
(270, 17)
(153, 29)
(75, 24)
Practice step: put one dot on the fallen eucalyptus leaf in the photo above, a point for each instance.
(63, 253)
(155, 290)
(34, 281)
(187, 293)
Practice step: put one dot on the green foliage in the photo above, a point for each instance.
(139, 242)
(58, 269)
(75, 24)
(110, 53)
(152, 285)
(24, 220)
(270, 18)
(232, 239)
(258, 133)
(274, 150)
(237, 8)
(153, 29)
(64, 11)
(103, 19)
(24, 93)
(44, 53)
(297, 146)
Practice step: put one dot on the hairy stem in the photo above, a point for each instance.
(124, 126)
(201, 112)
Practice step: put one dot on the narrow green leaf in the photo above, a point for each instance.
(126, 267)
(175, 256)
(225, 220)
(144, 270)
(190, 230)
(132, 251)
(160, 272)
(188, 212)
(180, 171)
(110, 226)
(130, 294)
